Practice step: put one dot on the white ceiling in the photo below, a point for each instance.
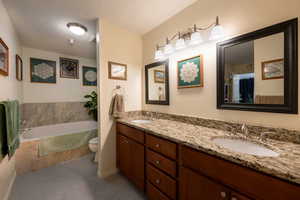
(42, 23)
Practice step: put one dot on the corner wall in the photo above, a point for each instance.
(237, 17)
(10, 88)
(121, 46)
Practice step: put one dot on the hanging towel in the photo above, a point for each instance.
(12, 123)
(116, 106)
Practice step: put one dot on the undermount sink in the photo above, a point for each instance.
(141, 121)
(241, 145)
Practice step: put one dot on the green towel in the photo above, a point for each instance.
(12, 122)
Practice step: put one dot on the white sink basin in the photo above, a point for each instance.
(141, 121)
(244, 146)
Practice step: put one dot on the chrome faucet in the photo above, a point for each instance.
(245, 130)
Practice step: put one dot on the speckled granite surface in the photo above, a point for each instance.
(286, 166)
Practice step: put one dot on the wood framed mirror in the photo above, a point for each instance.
(157, 83)
(258, 71)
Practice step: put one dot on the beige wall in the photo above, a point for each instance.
(64, 90)
(266, 49)
(10, 88)
(117, 45)
(237, 17)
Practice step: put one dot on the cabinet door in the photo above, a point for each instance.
(137, 164)
(236, 196)
(123, 155)
(196, 187)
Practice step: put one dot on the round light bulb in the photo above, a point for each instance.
(168, 49)
(196, 38)
(217, 33)
(180, 44)
(158, 55)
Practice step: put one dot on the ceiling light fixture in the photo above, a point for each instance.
(190, 37)
(77, 28)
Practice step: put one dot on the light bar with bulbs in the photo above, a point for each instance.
(188, 38)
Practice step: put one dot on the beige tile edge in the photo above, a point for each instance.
(8, 194)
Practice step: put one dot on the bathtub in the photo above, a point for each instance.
(42, 132)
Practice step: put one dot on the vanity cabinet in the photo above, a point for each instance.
(131, 158)
(171, 171)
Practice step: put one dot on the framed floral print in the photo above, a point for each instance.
(69, 68)
(273, 69)
(89, 76)
(42, 71)
(190, 72)
(19, 66)
(159, 76)
(4, 58)
(117, 71)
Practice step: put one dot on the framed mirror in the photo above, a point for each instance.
(157, 83)
(258, 71)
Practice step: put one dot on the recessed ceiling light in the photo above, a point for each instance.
(77, 28)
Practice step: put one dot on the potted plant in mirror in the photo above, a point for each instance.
(92, 104)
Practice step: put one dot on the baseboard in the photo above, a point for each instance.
(107, 173)
(8, 193)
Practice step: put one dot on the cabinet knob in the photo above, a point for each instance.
(157, 162)
(223, 194)
(157, 181)
(157, 145)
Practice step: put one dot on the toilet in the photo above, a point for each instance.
(93, 145)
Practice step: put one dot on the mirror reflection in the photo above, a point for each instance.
(254, 71)
(156, 83)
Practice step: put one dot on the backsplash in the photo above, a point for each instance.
(279, 133)
(41, 114)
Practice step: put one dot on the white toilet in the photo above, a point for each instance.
(93, 145)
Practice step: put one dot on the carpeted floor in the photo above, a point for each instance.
(74, 180)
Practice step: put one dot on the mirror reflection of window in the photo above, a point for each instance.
(254, 71)
(156, 82)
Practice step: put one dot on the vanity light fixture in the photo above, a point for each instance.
(77, 28)
(190, 37)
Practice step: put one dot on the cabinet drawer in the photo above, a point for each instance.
(254, 184)
(155, 194)
(162, 163)
(162, 146)
(132, 133)
(164, 183)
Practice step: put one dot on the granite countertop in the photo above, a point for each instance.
(286, 166)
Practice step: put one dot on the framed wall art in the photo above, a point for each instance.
(117, 71)
(190, 72)
(19, 68)
(4, 58)
(42, 71)
(69, 68)
(89, 76)
(273, 69)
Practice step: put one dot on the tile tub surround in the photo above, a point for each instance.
(41, 114)
(286, 166)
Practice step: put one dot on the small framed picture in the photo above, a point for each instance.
(19, 66)
(4, 58)
(190, 72)
(117, 71)
(69, 68)
(42, 71)
(89, 76)
(273, 69)
(159, 76)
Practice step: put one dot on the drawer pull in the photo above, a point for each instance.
(157, 181)
(223, 194)
(157, 145)
(157, 162)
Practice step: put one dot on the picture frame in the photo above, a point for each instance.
(89, 76)
(4, 58)
(69, 68)
(42, 71)
(19, 68)
(272, 69)
(190, 72)
(117, 71)
(159, 76)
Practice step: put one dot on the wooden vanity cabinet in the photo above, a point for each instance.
(131, 159)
